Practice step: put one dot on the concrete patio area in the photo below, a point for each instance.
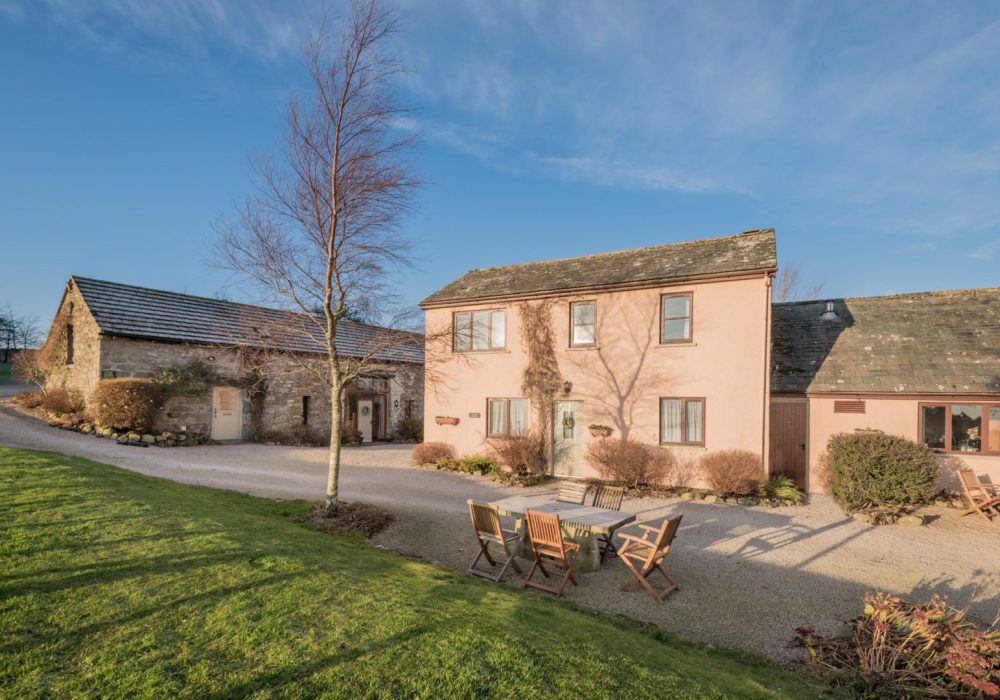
(748, 576)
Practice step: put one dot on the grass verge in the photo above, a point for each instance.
(117, 584)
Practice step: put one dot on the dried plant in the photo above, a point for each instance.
(521, 455)
(733, 472)
(903, 650)
(431, 452)
(629, 462)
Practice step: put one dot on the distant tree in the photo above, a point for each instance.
(17, 332)
(320, 236)
(788, 286)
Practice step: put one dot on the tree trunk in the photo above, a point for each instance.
(333, 473)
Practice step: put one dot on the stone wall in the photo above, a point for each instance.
(82, 374)
(189, 412)
(281, 407)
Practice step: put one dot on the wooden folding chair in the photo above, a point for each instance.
(572, 491)
(547, 542)
(610, 498)
(644, 555)
(982, 497)
(486, 521)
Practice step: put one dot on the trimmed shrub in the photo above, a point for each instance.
(62, 401)
(902, 650)
(628, 462)
(126, 404)
(781, 487)
(410, 429)
(431, 452)
(475, 464)
(299, 436)
(869, 469)
(521, 455)
(733, 472)
(29, 399)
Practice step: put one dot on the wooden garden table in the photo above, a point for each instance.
(582, 524)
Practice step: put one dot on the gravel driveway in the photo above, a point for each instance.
(748, 576)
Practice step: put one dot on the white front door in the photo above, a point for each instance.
(227, 413)
(365, 419)
(567, 438)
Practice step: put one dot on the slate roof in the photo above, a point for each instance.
(138, 312)
(748, 251)
(934, 342)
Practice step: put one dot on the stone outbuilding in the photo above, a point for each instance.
(239, 371)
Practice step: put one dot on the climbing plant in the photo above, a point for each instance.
(541, 381)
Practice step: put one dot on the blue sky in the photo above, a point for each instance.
(867, 133)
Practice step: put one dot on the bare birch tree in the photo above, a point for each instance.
(788, 286)
(320, 235)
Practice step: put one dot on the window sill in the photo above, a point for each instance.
(583, 347)
(682, 446)
(685, 344)
(498, 351)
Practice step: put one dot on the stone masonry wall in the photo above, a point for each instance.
(83, 373)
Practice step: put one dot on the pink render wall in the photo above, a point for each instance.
(622, 379)
(890, 415)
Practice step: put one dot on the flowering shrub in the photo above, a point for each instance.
(733, 472)
(901, 650)
(629, 462)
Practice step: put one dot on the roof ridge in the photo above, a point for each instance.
(746, 233)
(899, 295)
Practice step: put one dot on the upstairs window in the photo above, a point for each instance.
(480, 330)
(507, 416)
(583, 331)
(682, 421)
(675, 318)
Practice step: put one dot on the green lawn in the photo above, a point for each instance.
(115, 584)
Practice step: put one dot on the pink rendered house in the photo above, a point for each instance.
(666, 344)
(679, 345)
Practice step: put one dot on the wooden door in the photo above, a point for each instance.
(567, 438)
(365, 419)
(227, 413)
(789, 430)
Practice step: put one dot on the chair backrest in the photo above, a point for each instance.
(545, 531)
(609, 497)
(572, 491)
(668, 530)
(971, 485)
(486, 519)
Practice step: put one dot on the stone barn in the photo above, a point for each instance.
(238, 371)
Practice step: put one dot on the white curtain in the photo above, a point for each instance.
(498, 417)
(694, 420)
(670, 420)
(519, 416)
(498, 329)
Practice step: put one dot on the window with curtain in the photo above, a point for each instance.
(682, 421)
(507, 416)
(479, 330)
(960, 427)
(583, 331)
(675, 318)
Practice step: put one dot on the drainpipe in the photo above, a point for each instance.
(766, 437)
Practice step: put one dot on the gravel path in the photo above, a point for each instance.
(748, 576)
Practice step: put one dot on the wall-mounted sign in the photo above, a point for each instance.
(474, 415)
